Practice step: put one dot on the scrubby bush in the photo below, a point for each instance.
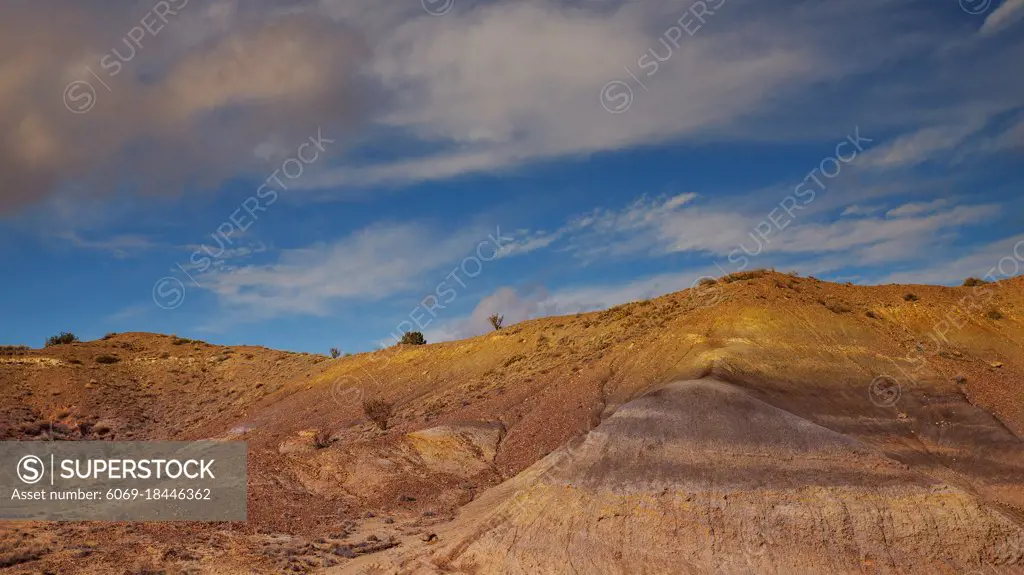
(335, 353)
(496, 320)
(836, 307)
(110, 335)
(994, 314)
(322, 439)
(378, 410)
(107, 359)
(704, 282)
(910, 297)
(61, 338)
(413, 338)
(741, 276)
(13, 349)
(973, 281)
(871, 314)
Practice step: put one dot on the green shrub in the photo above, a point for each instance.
(62, 338)
(335, 353)
(413, 338)
(910, 297)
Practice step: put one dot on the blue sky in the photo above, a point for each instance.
(305, 175)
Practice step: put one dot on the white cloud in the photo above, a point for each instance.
(490, 86)
(456, 84)
(877, 240)
(681, 224)
(119, 245)
(1009, 12)
(919, 146)
(857, 210)
(368, 265)
(915, 208)
(1001, 259)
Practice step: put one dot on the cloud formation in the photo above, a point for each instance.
(154, 98)
(203, 90)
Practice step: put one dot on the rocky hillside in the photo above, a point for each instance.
(766, 420)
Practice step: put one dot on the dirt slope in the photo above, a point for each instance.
(864, 363)
(700, 477)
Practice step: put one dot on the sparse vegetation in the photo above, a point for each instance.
(742, 276)
(413, 338)
(110, 335)
(335, 353)
(704, 282)
(994, 314)
(960, 379)
(496, 320)
(62, 338)
(378, 410)
(910, 297)
(13, 349)
(107, 359)
(973, 281)
(9, 557)
(836, 306)
(322, 439)
(871, 314)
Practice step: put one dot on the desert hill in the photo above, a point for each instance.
(865, 428)
(700, 477)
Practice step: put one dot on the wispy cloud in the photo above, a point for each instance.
(1002, 258)
(920, 146)
(1007, 13)
(369, 265)
(685, 224)
(120, 246)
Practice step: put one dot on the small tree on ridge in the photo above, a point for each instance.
(496, 321)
